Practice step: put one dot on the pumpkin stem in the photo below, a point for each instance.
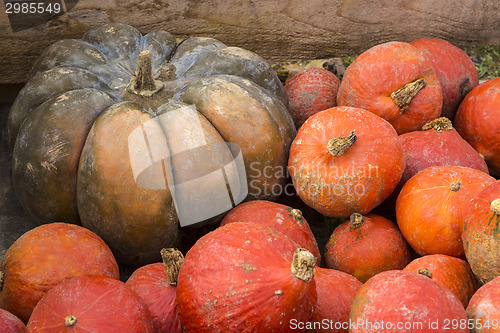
(70, 321)
(338, 146)
(296, 213)
(172, 260)
(403, 96)
(144, 83)
(495, 206)
(303, 264)
(357, 220)
(439, 125)
(426, 272)
(455, 186)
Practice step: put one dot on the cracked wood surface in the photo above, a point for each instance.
(276, 30)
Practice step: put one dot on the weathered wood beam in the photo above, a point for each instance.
(275, 29)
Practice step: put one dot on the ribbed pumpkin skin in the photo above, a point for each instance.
(64, 129)
(478, 121)
(276, 216)
(455, 70)
(481, 234)
(408, 299)
(453, 272)
(430, 214)
(10, 323)
(151, 283)
(100, 304)
(484, 308)
(363, 252)
(45, 256)
(383, 69)
(356, 181)
(238, 279)
(309, 91)
(336, 291)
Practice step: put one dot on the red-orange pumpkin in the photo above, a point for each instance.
(406, 302)
(484, 308)
(245, 277)
(91, 303)
(309, 91)
(283, 218)
(432, 205)
(365, 246)
(453, 272)
(395, 81)
(345, 160)
(10, 323)
(438, 143)
(478, 122)
(156, 286)
(455, 70)
(481, 233)
(45, 256)
(336, 291)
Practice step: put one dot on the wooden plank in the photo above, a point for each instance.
(277, 30)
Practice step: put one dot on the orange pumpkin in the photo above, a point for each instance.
(309, 91)
(431, 207)
(454, 273)
(478, 122)
(365, 246)
(345, 160)
(454, 68)
(245, 277)
(405, 302)
(280, 217)
(331, 314)
(484, 308)
(481, 233)
(395, 81)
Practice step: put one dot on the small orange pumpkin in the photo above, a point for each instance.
(402, 301)
(478, 122)
(365, 246)
(484, 308)
(333, 310)
(345, 160)
(432, 205)
(309, 91)
(454, 68)
(280, 217)
(454, 273)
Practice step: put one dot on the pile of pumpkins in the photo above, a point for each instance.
(408, 131)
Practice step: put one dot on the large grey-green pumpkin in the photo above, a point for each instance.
(105, 125)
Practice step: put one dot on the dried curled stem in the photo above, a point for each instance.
(172, 260)
(303, 264)
(495, 206)
(296, 213)
(357, 220)
(439, 125)
(70, 321)
(425, 271)
(144, 83)
(403, 96)
(455, 186)
(338, 146)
